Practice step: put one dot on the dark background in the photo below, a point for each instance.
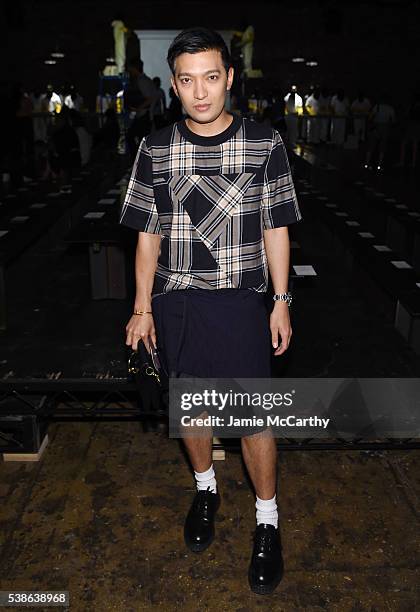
(369, 45)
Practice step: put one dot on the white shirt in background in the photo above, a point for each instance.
(76, 104)
(312, 105)
(340, 107)
(293, 106)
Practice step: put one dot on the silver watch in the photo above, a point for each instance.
(284, 297)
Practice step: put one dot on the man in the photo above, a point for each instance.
(140, 97)
(312, 109)
(324, 102)
(292, 110)
(73, 99)
(54, 101)
(339, 111)
(382, 116)
(159, 105)
(201, 193)
(360, 109)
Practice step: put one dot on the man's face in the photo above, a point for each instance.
(201, 83)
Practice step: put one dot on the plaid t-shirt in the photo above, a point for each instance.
(210, 198)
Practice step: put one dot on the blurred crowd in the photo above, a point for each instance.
(46, 135)
(325, 117)
(49, 134)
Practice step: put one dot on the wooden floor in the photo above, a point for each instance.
(102, 513)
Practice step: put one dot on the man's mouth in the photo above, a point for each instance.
(202, 107)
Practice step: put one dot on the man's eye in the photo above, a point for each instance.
(185, 80)
(213, 77)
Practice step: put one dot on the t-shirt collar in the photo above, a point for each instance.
(209, 141)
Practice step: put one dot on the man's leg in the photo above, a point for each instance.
(260, 455)
(266, 567)
(199, 524)
(199, 448)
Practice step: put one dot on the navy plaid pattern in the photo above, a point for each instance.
(211, 203)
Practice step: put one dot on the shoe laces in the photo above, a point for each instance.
(263, 539)
(202, 500)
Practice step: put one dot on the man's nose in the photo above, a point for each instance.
(200, 90)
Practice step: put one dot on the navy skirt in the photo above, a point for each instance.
(220, 333)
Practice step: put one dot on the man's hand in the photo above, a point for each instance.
(140, 327)
(280, 326)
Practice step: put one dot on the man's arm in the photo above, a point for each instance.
(279, 209)
(277, 247)
(139, 212)
(147, 253)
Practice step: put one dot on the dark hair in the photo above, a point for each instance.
(194, 40)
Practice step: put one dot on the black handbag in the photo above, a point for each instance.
(151, 378)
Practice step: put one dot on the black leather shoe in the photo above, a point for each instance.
(199, 524)
(266, 567)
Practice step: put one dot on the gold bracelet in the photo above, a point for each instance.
(142, 312)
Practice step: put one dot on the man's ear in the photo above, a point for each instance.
(231, 73)
(174, 86)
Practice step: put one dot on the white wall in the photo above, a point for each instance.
(154, 45)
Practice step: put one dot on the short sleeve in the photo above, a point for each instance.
(279, 202)
(139, 208)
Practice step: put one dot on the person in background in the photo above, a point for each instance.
(159, 105)
(292, 110)
(381, 118)
(40, 110)
(85, 139)
(410, 132)
(257, 104)
(360, 109)
(253, 104)
(263, 104)
(312, 120)
(175, 110)
(324, 102)
(53, 100)
(73, 99)
(277, 111)
(17, 134)
(64, 148)
(339, 111)
(109, 134)
(139, 98)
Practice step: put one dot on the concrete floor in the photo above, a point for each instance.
(102, 513)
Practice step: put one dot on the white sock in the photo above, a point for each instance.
(267, 511)
(206, 479)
